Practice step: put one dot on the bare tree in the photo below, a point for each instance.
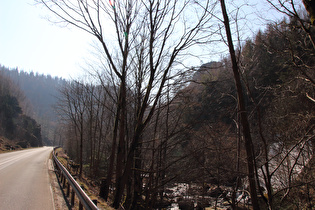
(72, 107)
(150, 37)
(243, 112)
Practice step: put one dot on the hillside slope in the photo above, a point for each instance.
(36, 95)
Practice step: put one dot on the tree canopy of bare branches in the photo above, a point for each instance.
(143, 43)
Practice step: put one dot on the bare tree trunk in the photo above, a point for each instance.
(91, 138)
(137, 176)
(112, 156)
(121, 147)
(81, 146)
(242, 111)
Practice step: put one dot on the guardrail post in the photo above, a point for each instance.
(72, 198)
(80, 206)
(68, 189)
(95, 202)
(64, 182)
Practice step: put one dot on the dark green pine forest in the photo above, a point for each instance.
(194, 135)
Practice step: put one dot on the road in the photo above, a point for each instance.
(24, 180)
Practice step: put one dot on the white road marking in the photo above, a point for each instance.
(11, 160)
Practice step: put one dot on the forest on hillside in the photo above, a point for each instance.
(237, 132)
(17, 129)
(35, 96)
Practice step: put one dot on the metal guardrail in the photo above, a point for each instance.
(84, 199)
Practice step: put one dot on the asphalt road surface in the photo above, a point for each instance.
(24, 180)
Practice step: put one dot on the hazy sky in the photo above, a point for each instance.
(31, 43)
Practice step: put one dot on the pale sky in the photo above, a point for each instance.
(32, 43)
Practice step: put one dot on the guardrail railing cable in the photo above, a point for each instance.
(84, 199)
